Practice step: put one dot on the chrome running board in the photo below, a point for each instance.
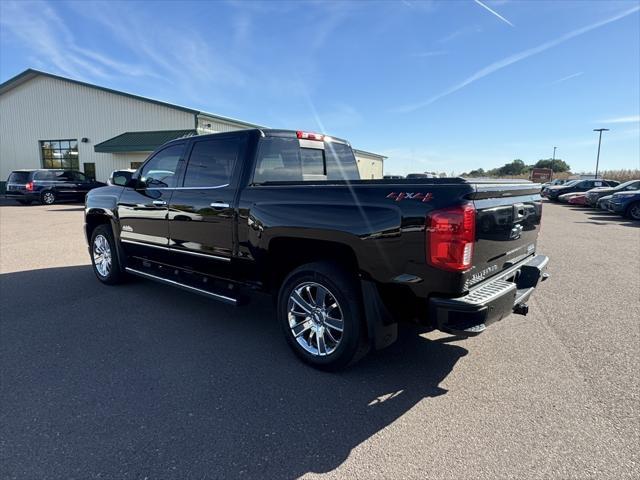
(189, 288)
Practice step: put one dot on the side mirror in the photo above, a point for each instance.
(136, 183)
(121, 179)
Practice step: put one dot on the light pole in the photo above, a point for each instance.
(554, 153)
(599, 142)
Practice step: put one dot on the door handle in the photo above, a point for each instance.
(159, 202)
(219, 205)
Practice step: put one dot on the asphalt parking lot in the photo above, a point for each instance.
(144, 381)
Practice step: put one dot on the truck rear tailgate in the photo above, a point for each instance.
(507, 226)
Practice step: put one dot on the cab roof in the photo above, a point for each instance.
(263, 132)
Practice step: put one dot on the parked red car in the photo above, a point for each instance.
(578, 199)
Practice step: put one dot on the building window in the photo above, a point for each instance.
(136, 165)
(60, 154)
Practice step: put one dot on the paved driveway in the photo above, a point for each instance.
(144, 381)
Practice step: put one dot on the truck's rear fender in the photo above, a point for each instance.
(368, 232)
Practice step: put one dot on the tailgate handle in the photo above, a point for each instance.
(518, 211)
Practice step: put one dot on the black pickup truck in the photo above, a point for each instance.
(285, 212)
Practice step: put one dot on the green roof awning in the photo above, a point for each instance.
(140, 141)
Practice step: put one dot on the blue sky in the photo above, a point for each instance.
(436, 86)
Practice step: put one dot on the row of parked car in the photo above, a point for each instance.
(48, 186)
(616, 197)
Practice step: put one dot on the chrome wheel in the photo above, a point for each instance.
(102, 255)
(315, 318)
(48, 198)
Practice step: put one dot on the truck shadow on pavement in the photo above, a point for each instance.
(143, 380)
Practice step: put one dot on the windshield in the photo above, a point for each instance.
(571, 183)
(624, 185)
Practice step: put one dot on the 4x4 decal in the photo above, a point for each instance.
(423, 197)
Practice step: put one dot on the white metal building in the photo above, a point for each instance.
(49, 121)
(370, 165)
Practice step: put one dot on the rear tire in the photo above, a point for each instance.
(48, 197)
(104, 256)
(633, 211)
(320, 312)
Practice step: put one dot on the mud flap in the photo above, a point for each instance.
(381, 327)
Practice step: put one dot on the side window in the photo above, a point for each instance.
(633, 186)
(278, 161)
(212, 162)
(75, 176)
(160, 171)
(596, 184)
(44, 175)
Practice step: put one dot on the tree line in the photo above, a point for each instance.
(518, 167)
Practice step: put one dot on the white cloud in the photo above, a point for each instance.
(44, 32)
(568, 77)
(332, 15)
(184, 60)
(629, 119)
(505, 62)
(461, 32)
(494, 13)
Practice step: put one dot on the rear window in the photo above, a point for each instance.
(285, 160)
(19, 177)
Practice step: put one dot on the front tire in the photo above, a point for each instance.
(48, 197)
(633, 211)
(104, 256)
(320, 311)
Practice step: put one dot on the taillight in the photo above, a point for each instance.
(29, 186)
(309, 136)
(450, 237)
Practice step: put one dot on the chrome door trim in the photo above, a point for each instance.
(219, 205)
(142, 244)
(197, 254)
(189, 188)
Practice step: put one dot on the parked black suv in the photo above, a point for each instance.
(48, 186)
